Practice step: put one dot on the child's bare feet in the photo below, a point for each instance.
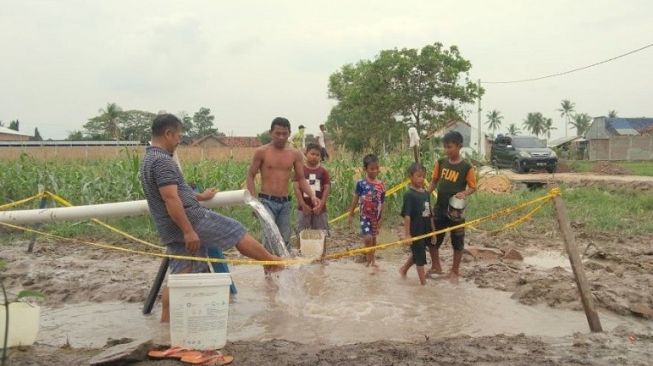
(453, 277)
(435, 270)
(403, 271)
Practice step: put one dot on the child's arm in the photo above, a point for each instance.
(471, 184)
(300, 197)
(407, 227)
(352, 208)
(435, 177)
(325, 196)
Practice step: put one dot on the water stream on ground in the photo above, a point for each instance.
(337, 303)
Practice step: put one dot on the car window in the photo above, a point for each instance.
(526, 142)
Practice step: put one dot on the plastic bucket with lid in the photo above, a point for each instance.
(199, 310)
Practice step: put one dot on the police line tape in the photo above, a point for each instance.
(293, 261)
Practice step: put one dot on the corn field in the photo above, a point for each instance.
(85, 182)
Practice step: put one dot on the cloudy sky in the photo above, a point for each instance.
(253, 60)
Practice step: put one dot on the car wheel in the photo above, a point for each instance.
(517, 167)
(551, 169)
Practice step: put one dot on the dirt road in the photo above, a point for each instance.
(583, 179)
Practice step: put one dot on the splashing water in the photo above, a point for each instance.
(273, 241)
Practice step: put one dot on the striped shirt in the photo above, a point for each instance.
(158, 169)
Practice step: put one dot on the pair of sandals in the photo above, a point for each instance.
(190, 356)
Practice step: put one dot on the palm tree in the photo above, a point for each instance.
(566, 109)
(612, 114)
(582, 123)
(535, 124)
(494, 119)
(513, 130)
(548, 127)
(111, 120)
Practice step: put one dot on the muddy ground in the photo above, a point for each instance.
(615, 348)
(618, 268)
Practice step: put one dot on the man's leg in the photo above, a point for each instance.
(283, 222)
(249, 247)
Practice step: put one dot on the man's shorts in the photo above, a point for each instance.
(280, 208)
(214, 230)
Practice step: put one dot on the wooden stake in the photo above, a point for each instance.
(577, 265)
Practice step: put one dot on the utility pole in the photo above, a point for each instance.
(480, 134)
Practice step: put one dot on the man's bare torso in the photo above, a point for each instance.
(276, 169)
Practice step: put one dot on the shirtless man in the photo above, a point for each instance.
(275, 161)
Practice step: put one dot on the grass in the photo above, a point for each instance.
(633, 167)
(114, 180)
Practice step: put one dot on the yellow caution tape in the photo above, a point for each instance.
(20, 202)
(285, 262)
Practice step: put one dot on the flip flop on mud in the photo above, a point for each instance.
(219, 360)
(168, 353)
(201, 358)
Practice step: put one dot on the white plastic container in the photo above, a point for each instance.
(23, 324)
(311, 243)
(199, 310)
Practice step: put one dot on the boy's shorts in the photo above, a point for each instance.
(312, 221)
(418, 248)
(442, 221)
(369, 226)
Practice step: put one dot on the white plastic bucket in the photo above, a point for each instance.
(199, 310)
(23, 324)
(311, 243)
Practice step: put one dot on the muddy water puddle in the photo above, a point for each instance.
(548, 260)
(339, 303)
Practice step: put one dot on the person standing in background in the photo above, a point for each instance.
(321, 140)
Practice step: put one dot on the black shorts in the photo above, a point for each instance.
(442, 221)
(418, 248)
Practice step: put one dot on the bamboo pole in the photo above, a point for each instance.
(577, 265)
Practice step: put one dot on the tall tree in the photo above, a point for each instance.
(513, 130)
(187, 124)
(582, 123)
(14, 125)
(535, 123)
(612, 114)
(494, 119)
(75, 135)
(566, 109)
(548, 127)
(264, 137)
(37, 135)
(377, 99)
(136, 125)
(203, 122)
(107, 124)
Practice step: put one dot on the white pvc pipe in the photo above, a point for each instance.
(106, 210)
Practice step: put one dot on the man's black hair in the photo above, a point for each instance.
(300, 127)
(281, 122)
(164, 122)
(415, 167)
(322, 126)
(453, 137)
(313, 146)
(370, 159)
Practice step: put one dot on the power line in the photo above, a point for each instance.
(570, 71)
